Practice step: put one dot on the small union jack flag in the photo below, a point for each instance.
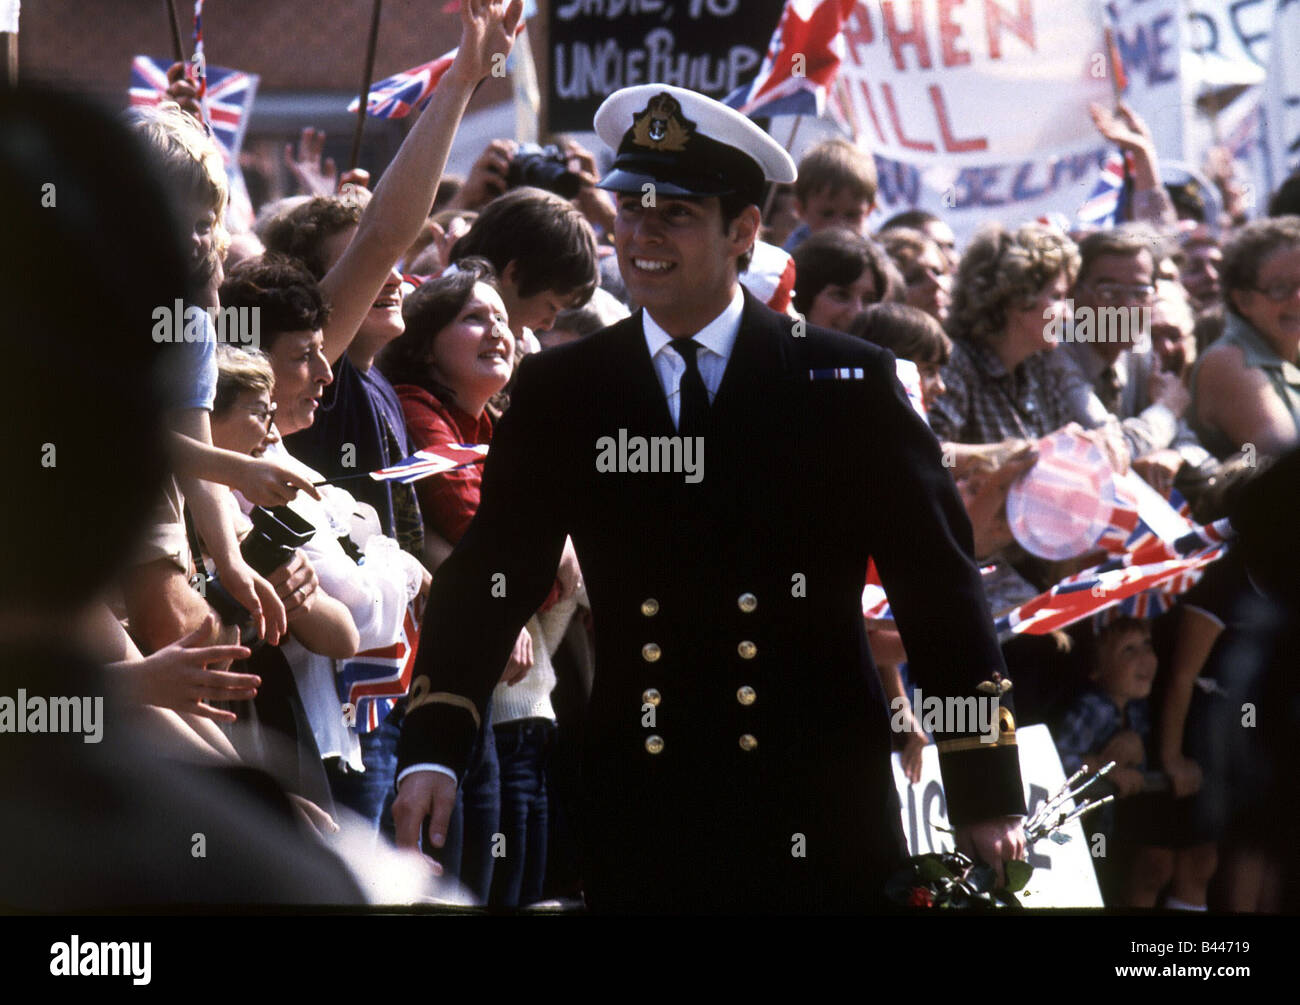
(1158, 565)
(229, 100)
(372, 681)
(801, 62)
(397, 96)
(431, 461)
(394, 97)
(1104, 206)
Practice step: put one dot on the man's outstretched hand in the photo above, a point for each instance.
(993, 841)
(424, 794)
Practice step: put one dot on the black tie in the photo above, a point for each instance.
(694, 412)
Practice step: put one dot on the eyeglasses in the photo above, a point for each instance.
(1279, 293)
(1141, 292)
(264, 415)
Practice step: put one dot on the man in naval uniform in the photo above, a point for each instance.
(725, 472)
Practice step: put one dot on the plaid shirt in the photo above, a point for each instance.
(985, 404)
(1090, 722)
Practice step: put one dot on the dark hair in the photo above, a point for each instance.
(1208, 327)
(103, 411)
(1286, 200)
(1126, 240)
(1188, 199)
(838, 257)
(303, 231)
(908, 332)
(281, 290)
(912, 219)
(731, 206)
(1112, 629)
(431, 308)
(550, 241)
(1247, 249)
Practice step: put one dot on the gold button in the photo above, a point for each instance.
(748, 742)
(650, 697)
(650, 652)
(747, 602)
(747, 650)
(746, 695)
(650, 607)
(654, 744)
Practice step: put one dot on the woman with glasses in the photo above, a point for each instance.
(1246, 387)
(927, 279)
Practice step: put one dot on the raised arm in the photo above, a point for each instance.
(393, 218)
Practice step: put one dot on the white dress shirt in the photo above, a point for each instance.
(717, 338)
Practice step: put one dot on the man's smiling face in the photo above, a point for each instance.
(677, 259)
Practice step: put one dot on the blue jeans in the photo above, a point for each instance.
(476, 818)
(523, 749)
(369, 792)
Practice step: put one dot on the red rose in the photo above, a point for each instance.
(921, 897)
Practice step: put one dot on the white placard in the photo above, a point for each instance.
(1063, 873)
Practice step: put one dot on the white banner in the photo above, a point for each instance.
(975, 83)
(1151, 38)
(978, 111)
(1282, 92)
(1063, 873)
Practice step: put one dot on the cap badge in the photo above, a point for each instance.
(661, 126)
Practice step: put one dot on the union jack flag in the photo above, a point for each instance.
(394, 97)
(431, 461)
(1104, 206)
(372, 681)
(1156, 565)
(229, 99)
(810, 31)
(397, 96)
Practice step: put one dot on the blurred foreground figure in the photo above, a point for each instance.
(93, 819)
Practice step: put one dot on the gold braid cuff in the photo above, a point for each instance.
(1006, 736)
(421, 695)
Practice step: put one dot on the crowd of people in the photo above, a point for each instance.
(393, 321)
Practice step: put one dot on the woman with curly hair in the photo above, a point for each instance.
(1010, 297)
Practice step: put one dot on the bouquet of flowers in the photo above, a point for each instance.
(949, 879)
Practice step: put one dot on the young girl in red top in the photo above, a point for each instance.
(456, 353)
